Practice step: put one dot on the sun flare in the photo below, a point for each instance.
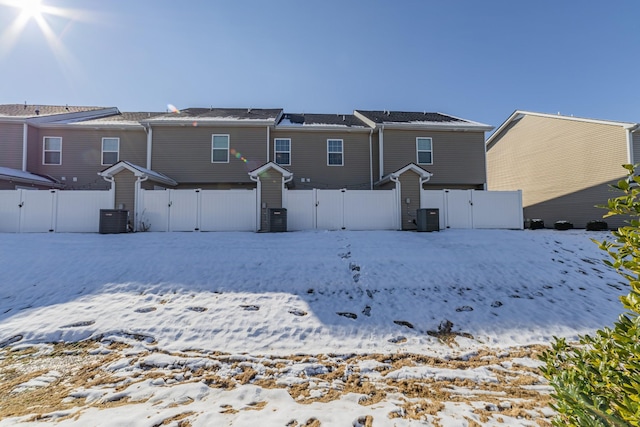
(31, 8)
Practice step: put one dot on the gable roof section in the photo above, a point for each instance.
(138, 171)
(417, 120)
(15, 175)
(259, 116)
(120, 120)
(425, 175)
(519, 114)
(270, 165)
(349, 121)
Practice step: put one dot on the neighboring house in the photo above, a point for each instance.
(563, 165)
(219, 149)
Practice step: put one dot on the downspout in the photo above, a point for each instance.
(381, 151)
(149, 145)
(398, 199)
(136, 197)
(370, 161)
(256, 179)
(25, 133)
(630, 156)
(112, 180)
(268, 137)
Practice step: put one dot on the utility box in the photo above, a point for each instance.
(428, 220)
(113, 221)
(277, 220)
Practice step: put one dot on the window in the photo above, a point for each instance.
(110, 150)
(52, 150)
(283, 151)
(219, 148)
(334, 152)
(425, 151)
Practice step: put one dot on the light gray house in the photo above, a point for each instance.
(563, 165)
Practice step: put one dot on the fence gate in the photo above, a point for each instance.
(341, 209)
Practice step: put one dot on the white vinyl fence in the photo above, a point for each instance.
(43, 211)
(341, 209)
(475, 209)
(197, 210)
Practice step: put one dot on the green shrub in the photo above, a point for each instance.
(597, 383)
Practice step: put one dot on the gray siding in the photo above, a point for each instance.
(458, 157)
(184, 153)
(126, 191)
(309, 159)
(270, 195)
(82, 155)
(409, 189)
(11, 145)
(563, 167)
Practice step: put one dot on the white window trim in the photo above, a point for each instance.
(117, 151)
(424, 151)
(228, 146)
(275, 151)
(44, 150)
(334, 152)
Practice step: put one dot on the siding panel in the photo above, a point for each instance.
(409, 189)
(271, 195)
(11, 145)
(309, 159)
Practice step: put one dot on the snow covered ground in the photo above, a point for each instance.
(305, 328)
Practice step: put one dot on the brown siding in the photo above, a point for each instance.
(458, 157)
(552, 160)
(82, 155)
(309, 159)
(125, 191)
(184, 153)
(270, 195)
(409, 189)
(636, 146)
(217, 186)
(11, 145)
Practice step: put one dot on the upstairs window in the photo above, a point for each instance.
(52, 150)
(283, 151)
(425, 151)
(219, 148)
(110, 151)
(334, 152)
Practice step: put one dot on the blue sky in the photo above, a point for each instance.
(480, 60)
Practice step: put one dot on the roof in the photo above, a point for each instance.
(330, 120)
(518, 114)
(220, 115)
(137, 171)
(271, 165)
(17, 175)
(419, 120)
(424, 174)
(26, 111)
(121, 119)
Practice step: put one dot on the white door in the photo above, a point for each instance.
(37, 212)
(154, 210)
(330, 209)
(183, 210)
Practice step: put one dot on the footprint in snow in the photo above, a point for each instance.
(496, 304)
(145, 309)
(367, 311)
(347, 314)
(345, 255)
(465, 308)
(403, 323)
(297, 312)
(398, 340)
(356, 277)
(9, 341)
(251, 307)
(78, 324)
(197, 309)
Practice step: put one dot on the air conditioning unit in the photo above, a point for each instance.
(428, 220)
(113, 221)
(277, 220)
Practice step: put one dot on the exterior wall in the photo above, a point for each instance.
(82, 155)
(553, 160)
(458, 157)
(635, 136)
(309, 159)
(429, 186)
(270, 195)
(217, 186)
(409, 189)
(184, 153)
(11, 185)
(126, 191)
(11, 145)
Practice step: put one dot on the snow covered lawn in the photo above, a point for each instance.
(306, 328)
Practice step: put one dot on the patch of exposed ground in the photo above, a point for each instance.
(38, 381)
